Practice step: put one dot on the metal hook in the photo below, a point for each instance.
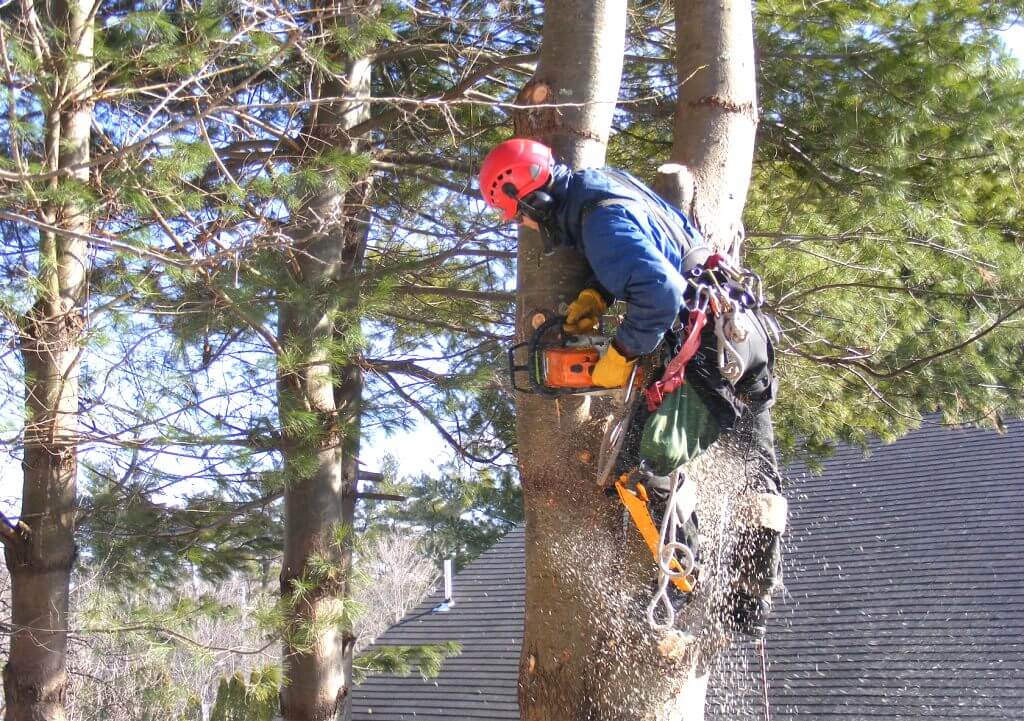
(730, 362)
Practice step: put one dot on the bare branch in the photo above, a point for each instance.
(426, 413)
(382, 497)
(484, 295)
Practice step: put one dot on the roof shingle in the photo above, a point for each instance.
(904, 599)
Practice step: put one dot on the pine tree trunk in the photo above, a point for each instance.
(713, 137)
(716, 115)
(570, 523)
(41, 556)
(587, 652)
(330, 235)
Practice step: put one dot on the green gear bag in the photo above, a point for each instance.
(680, 430)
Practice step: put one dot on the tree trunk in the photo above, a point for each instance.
(587, 651)
(330, 236)
(41, 554)
(713, 138)
(716, 113)
(571, 526)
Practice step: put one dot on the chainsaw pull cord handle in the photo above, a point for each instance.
(675, 560)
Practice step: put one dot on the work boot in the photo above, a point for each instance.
(757, 572)
(745, 615)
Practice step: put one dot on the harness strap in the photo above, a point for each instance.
(672, 226)
(672, 378)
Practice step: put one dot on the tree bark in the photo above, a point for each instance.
(330, 235)
(716, 113)
(571, 526)
(713, 140)
(40, 557)
(587, 651)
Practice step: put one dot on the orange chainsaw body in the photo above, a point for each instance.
(570, 367)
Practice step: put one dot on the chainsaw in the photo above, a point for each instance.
(558, 364)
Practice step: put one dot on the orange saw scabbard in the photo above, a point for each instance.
(637, 505)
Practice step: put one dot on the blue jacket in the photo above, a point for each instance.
(631, 255)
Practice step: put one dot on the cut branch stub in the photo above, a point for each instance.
(545, 121)
(535, 122)
(676, 184)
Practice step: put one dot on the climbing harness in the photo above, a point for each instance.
(732, 296)
(672, 378)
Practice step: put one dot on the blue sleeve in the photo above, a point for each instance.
(627, 261)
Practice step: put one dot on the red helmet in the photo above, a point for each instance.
(513, 170)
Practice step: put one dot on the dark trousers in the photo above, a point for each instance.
(757, 558)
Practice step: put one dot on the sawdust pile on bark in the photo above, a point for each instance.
(639, 673)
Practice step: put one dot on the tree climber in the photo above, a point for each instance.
(645, 252)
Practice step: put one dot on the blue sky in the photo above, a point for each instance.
(1014, 39)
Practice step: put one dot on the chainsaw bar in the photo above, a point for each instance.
(626, 405)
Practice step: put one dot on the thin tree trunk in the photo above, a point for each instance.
(41, 555)
(713, 138)
(716, 113)
(330, 236)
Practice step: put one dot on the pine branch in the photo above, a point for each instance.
(901, 370)
(431, 261)
(101, 241)
(483, 295)
(148, 628)
(382, 497)
(432, 419)
(221, 521)
(469, 332)
(430, 160)
(409, 368)
(380, 120)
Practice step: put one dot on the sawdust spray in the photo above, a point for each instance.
(640, 673)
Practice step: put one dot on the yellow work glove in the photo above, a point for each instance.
(584, 312)
(612, 371)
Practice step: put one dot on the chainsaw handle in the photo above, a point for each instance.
(533, 368)
(514, 369)
(533, 373)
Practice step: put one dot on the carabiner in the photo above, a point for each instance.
(700, 300)
(732, 368)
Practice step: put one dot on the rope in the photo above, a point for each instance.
(764, 680)
(672, 378)
(675, 560)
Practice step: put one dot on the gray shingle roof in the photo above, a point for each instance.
(487, 619)
(905, 599)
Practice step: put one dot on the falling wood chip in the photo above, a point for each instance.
(676, 644)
